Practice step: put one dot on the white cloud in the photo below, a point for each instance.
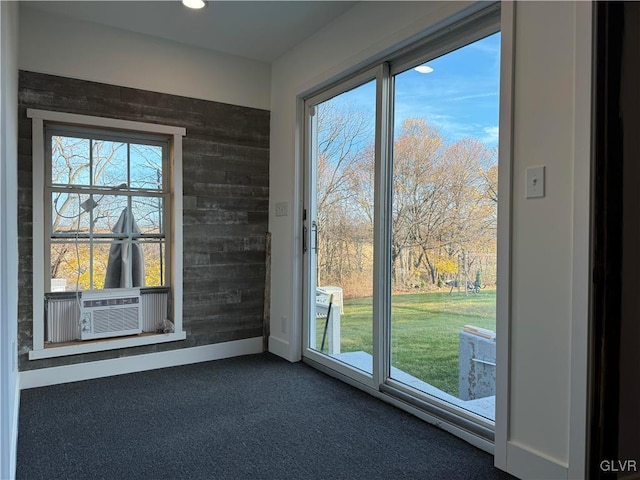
(477, 95)
(491, 134)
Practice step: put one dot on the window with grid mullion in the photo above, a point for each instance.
(106, 192)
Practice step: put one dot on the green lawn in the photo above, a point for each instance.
(424, 331)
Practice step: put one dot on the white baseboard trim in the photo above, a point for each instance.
(525, 463)
(138, 363)
(280, 348)
(14, 431)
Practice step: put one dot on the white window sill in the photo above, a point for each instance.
(52, 351)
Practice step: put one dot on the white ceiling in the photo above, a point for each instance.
(260, 30)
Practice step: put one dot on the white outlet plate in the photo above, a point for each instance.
(535, 182)
(282, 209)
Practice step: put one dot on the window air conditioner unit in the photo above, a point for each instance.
(110, 313)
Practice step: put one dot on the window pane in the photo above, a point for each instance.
(154, 263)
(100, 261)
(70, 266)
(106, 215)
(147, 213)
(69, 160)
(110, 164)
(443, 259)
(343, 167)
(89, 232)
(70, 213)
(146, 166)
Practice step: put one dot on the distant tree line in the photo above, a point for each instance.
(444, 205)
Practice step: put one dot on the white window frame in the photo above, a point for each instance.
(40, 118)
(469, 26)
(102, 193)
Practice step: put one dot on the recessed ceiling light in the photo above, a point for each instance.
(197, 4)
(423, 69)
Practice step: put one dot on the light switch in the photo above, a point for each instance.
(535, 182)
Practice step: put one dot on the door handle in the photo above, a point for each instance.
(314, 229)
(304, 239)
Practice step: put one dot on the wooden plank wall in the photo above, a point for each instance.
(225, 216)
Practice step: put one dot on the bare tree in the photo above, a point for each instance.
(344, 131)
(443, 204)
(110, 165)
(439, 201)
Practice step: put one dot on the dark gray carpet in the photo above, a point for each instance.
(256, 417)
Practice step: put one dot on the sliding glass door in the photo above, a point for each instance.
(444, 228)
(400, 222)
(339, 224)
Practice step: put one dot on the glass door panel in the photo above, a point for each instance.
(339, 225)
(443, 226)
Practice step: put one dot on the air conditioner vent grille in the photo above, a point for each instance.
(113, 320)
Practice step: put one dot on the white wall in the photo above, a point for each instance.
(367, 31)
(72, 48)
(545, 412)
(549, 274)
(9, 388)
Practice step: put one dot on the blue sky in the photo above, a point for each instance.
(460, 97)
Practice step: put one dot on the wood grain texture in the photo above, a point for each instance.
(225, 205)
